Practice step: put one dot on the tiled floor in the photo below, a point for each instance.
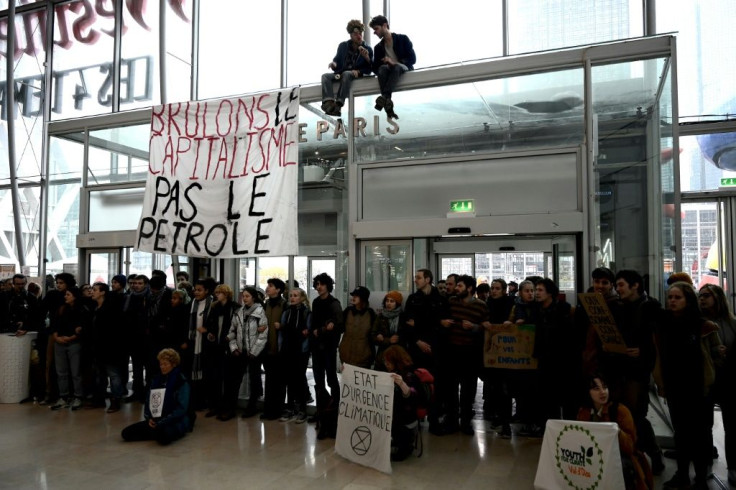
(44, 449)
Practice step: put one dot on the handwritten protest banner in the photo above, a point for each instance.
(510, 347)
(222, 178)
(602, 320)
(364, 417)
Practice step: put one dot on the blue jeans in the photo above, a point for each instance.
(328, 89)
(388, 78)
(115, 373)
(68, 363)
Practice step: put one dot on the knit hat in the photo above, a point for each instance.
(120, 279)
(394, 295)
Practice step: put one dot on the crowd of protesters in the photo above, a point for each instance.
(89, 336)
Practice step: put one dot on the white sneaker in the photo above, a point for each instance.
(287, 416)
(76, 404)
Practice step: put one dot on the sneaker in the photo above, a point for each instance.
(380, 102)
(58, 404)
(301, 417)
(76, 404)
(45, 401)
(677, 482)
(287, 416)
(505, 431)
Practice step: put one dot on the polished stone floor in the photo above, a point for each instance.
(83, 450)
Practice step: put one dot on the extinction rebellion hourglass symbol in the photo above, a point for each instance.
(360, 440)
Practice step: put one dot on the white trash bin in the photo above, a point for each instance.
(15, 362)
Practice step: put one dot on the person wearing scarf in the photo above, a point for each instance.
(174, 419)
(388, 329)
(247, 338)
(197, 330)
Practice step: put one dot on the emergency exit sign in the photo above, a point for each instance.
(728, 182)
(464, 206)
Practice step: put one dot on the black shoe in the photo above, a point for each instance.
(328, 106)
(436, 429)
(211, 413)
(389, 106)
(657, 463)
(677, 482)
(380, 102)
(224, 417)
(249, 412)
(505, 431)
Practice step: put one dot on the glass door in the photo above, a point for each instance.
(103, 264)
(386, 266)
(708, 238)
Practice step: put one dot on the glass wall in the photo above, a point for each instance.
(631, 148)
(540, 110)
(539, 26)
(240, 48)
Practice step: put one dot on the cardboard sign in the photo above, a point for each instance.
(582, 455)
(364, 417)
(222, 178)
(510, 347)
(602, 320)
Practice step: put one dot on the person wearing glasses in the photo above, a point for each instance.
(714, 306)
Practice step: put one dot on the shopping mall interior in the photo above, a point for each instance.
(582, 134)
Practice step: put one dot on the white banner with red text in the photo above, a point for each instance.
(222, 178)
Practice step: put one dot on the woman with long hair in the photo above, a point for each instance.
(598, 407)
(72, 320)
(405, 422)
(687, 383)
(715, 307)
(293, 354)
(246, 339)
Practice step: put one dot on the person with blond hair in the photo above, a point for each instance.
(167, 414)
(218, 325)
(293, 345)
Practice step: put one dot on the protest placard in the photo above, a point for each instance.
(602, 320)
(364, 417)
(510, 347)
(583, 455)
(222, 178)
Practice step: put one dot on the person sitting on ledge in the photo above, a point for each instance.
(353, 60)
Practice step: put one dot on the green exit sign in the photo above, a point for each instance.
(728, 182)
(465, 206)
